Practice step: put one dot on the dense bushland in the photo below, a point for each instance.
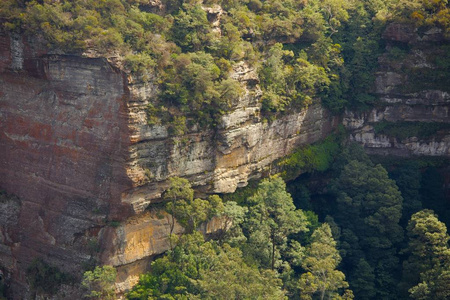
(355, 233)
(371, 239)
(303, 50)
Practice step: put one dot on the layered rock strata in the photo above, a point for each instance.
(76, 149)
(405, 98)
(241, 148)
(64, 143)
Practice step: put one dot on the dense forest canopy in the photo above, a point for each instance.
(303, 50)
(369, 234)
(368, 239)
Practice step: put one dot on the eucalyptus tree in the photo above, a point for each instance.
(272, 217)
(428, 266)
(322, 280)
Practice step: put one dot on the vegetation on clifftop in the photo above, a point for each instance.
(371, 239)
(303, 50)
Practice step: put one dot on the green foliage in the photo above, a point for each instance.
(191, 28)
(313, 224)
(408, 179)
(231, 278)
(428, 239)
(322, 258)
(302, 51)
(179, 190)
(428, 267)
(369, 207)
(241, 194)
(153, 114)
(421, 182)
(178, 126)
(187, 211)
(272, 217)
(286, 79)
(233, 216)
(148, 41)
(360, 41)
(363, 280)
(423, 13)
(139, 63)
(45, 278)
(300, 193)
(336, 46)
(266, 231)
(195, 86)
(367, 192)
(190, 56)
(364, 208)
(196, 269)
(403, 130)
(317, 157)
(191, 214)
(99, 283)
(230, 46)
(192, 76)
(421, 186)
(166, 281)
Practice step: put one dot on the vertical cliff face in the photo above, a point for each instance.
(63, 147)
(219, 160)
(76, 149)
(412, 86)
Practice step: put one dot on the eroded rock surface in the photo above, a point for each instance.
(63, 146)
(215, 161)
(405, 98)
(76, 149)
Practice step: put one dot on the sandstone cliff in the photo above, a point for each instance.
(410, 89)
(64, 143)
(76, 149)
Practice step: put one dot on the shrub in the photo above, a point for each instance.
(316, 157)
(46, 278)
(100, 282)
(178, 126)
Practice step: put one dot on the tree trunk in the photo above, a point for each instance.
(273, 252)
(172, 224)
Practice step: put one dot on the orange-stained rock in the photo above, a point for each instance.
(76, 149)
(63, 148)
